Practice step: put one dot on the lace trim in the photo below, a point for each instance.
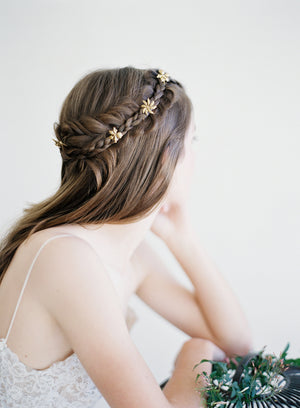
(3, 345)
(64, 384)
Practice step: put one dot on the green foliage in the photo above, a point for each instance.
(259, 379)
(293, 362)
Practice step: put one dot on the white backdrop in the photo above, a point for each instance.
(240, 64)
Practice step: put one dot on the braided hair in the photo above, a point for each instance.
(86, 137)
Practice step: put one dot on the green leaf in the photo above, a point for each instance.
(204, 360)
(284, 353)
(253, 392)
(239, 404)
(293, 361)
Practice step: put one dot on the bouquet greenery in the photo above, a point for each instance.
(262, 376)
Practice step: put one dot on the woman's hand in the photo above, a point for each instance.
(171, 222)
(173, 219)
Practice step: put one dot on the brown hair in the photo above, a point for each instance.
(116, 183)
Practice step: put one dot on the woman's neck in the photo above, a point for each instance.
(117, 242)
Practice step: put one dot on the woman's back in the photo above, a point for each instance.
(64, 382)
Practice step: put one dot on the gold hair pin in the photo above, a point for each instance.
(115, 135)
(163, 76)
(148, 106)
(59, 143)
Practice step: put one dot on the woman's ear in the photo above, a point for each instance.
(165, 207)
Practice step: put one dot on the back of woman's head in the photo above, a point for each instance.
(105, 178)
(109, 181)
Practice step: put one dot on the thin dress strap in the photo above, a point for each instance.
(26, 279)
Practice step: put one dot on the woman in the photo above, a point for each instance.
(70, 264)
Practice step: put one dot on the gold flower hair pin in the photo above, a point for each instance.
(163, 76)
(148, 106)
(115, 135)
(59, 143)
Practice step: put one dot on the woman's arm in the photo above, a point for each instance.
(218, 304)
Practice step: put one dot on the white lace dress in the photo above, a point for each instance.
(65, 384)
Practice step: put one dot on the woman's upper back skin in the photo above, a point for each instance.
(68, 303)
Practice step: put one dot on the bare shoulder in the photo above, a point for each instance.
(64, 264)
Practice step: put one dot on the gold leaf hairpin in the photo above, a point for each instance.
(59, 143)
(163, 76)
(148, 106)
(115, 135)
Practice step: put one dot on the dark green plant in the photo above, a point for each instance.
(260, 376)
